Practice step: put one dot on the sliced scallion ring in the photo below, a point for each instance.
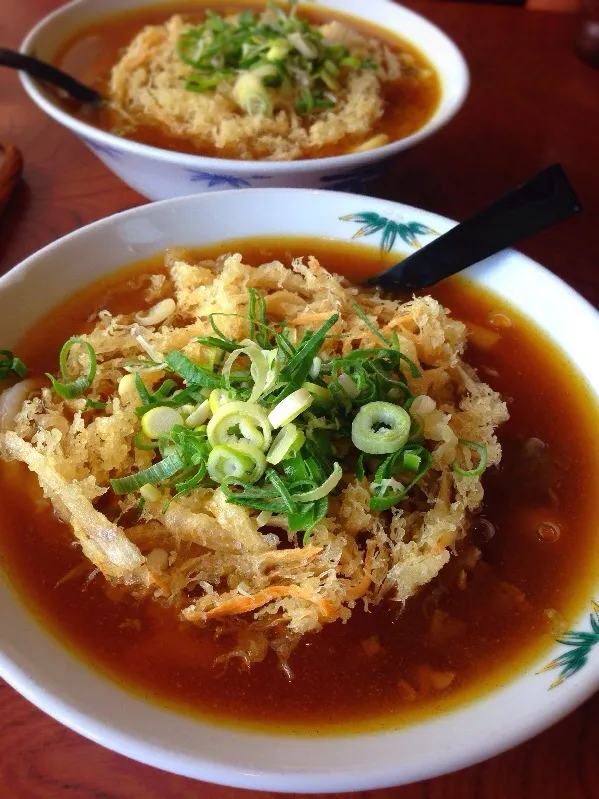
(200, 415)
(274, 368)
(481, 450)
(216, 398)
(251, 95)
(380, 428)
(250, 432)
(247, 416)
(287, 441)
(159, 421)
(74, 388)
(150, 493)
(241, 461)
(157, 314)
(290, 408)
(348, 385)
(315, 368)
(259, 366)
(321, 394)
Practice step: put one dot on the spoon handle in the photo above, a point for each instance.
(545, 199)
(46, 72)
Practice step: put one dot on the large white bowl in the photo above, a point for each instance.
(38, 666)
(161, 174)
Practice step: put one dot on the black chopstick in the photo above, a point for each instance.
(545, 199)
(46, 72)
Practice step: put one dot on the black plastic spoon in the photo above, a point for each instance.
(46, 72)
(545, 199)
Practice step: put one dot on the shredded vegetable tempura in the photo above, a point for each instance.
(268, 86)
(263, 447)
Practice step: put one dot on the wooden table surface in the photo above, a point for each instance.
(532, 102)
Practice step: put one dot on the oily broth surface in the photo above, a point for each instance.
(91, 53)
(348, 676)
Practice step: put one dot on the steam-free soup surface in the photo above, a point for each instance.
(515, 583)
(92, 52)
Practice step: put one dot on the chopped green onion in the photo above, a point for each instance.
(383, 499)
(278, 51)
(141, 442)
(315, 368)
(348, 385)
(322, 396)
(160, 471)
(481, 450)
(158, 313)
(290, 407)
(380, 428)
(259, 368)
(141, 365)
(150, 493)
(217, 343)
(318, 493)
(251, 95)
(199, 415)
(298, 368)
(242, 461)
(243, 415)
(193, 374)
(370, 325)
(360, 466)
(95, 405)
(254, 52)
(411, 461)
(159, 421)
(287, 441)
(10, 363)
(417, 427)
(143, 392)
(257, 318)
(74, 388)
(282, 491)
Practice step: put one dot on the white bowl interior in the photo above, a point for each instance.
(42, 670)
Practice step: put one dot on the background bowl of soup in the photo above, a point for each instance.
(85, 37)
(355, 716)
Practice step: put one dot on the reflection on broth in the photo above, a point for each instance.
(280, 86)
(242, 613)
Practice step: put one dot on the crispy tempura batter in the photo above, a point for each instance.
(148, 87)
(211, 559)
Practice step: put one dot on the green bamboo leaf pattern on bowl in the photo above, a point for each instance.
(390, 230)
(581, 644)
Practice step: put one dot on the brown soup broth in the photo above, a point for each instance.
(91, 53)
(373, 671)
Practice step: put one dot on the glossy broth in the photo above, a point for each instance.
(376, 669)
(92, 52)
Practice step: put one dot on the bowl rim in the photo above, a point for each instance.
(91, 724)
(91, 133)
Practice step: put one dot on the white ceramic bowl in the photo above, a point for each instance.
(161, 174)
(36, 664)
